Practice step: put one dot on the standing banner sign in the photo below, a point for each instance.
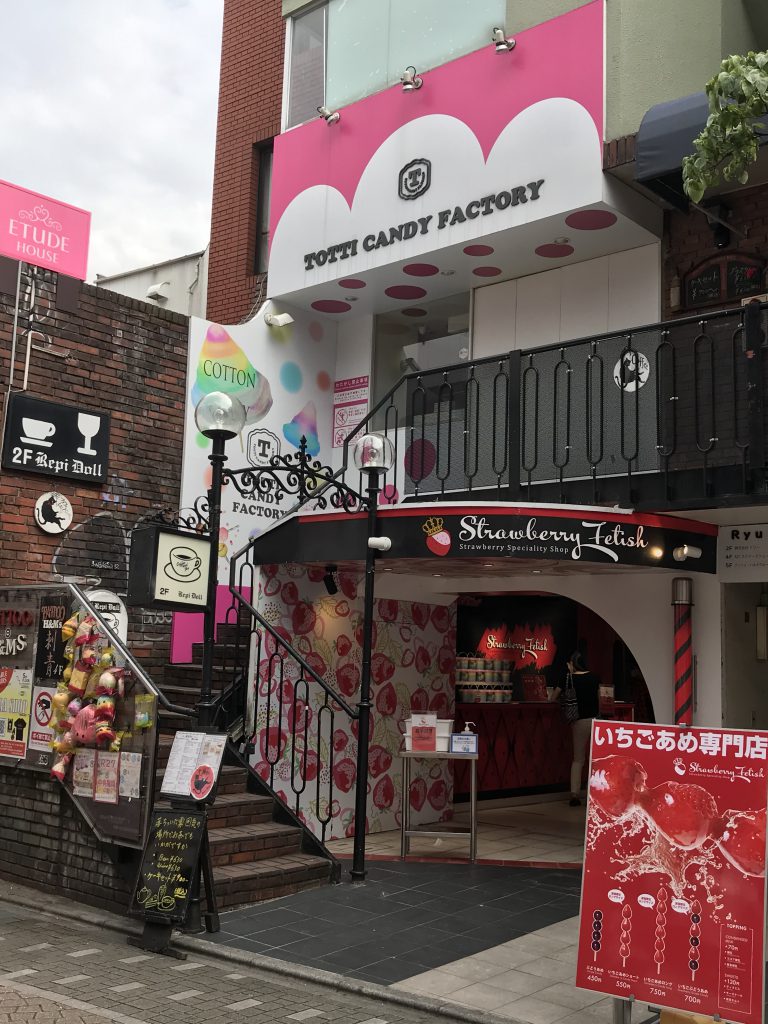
(673, 897)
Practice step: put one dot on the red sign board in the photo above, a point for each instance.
(43, 231)
(673, 897)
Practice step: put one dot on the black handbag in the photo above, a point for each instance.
(568, 700)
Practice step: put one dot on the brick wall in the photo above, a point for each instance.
(45, 843)
(110, 353)
(250, 98)
(688, 240)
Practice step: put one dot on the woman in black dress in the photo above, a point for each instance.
(587, 687)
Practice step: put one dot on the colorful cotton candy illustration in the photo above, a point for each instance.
(304, 424)
(223, 366)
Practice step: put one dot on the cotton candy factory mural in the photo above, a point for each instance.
(412, 669)
(281, 375)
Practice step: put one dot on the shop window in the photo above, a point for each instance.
(264, 156)
(371, 43)
(437, 336)
(306, 67)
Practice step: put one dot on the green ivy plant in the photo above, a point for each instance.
(729, 143)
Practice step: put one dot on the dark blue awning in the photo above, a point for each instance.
(664, 137)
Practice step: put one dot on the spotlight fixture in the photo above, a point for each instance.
(656, 551)
(329, 580)
(328, 115)
(500, 41)
(686, 551)
(410, 80)
(278, 319)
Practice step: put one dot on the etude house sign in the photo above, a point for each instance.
(43, 231)
(55, 440)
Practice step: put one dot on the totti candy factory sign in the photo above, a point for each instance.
(43, 231)
(673, 897)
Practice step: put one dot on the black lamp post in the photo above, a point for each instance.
(221, 417)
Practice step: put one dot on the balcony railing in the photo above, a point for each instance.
(663, 416)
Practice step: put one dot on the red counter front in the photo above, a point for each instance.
(524, 748)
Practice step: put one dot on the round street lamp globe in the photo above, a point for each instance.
(374, 452)
(220, 415)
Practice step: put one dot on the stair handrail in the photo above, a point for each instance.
(282, 642)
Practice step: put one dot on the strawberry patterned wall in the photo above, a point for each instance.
(412, 668)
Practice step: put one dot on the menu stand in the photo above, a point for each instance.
(406, 832)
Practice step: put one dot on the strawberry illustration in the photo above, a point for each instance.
(439, 543)
(743, 840)
(615, 784)
(683, 813)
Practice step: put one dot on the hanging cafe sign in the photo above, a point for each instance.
(424, 225)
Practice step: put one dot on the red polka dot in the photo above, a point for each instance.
(554, 250)
(421, 270)
(405, 291)
(478, 250)
(316, 331)
(331, 306)
(351, 282)
(487, 271)
(323, 381)
(413, 311)
(591, 220)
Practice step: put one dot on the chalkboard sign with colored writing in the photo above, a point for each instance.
(744, 277)
(169, 863)
(703, 286)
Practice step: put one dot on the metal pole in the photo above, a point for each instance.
(364, 706)
(205, 708)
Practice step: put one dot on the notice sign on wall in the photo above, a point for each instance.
(673, 898)
(350, 407)
(742, 553)
(15, 704)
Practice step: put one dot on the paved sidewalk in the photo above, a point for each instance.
(58, 971)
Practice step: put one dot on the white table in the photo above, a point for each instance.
(405, 831)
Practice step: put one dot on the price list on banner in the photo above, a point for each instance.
(673, 897)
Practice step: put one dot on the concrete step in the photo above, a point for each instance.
(245, 844)
(240, 884)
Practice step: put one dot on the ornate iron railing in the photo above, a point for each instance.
(657, 417)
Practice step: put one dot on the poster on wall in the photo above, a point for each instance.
(280, 375)
(673, 897)
(350, 407)
(742, 553)
(15, 707)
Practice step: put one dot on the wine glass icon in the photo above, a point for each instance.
(89, 427)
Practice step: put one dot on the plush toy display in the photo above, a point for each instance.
(85, 701)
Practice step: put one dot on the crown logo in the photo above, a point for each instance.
(432, 526)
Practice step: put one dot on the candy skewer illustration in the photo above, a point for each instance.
(694, 939)
(661, 928)
(597, 928)
(626, 933)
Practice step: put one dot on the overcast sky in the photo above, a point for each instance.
(111, 105)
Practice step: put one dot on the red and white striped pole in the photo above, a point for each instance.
(682, 603)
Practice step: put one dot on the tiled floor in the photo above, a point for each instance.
(407, 918)
(548, 832)
(529, 978)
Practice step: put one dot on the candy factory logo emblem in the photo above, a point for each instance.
(438, 539)
(414, 179)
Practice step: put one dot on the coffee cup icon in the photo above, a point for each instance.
(183, 565)
(36, 431)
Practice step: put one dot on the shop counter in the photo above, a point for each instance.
(525, 748)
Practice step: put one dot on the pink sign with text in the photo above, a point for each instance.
(43, 231)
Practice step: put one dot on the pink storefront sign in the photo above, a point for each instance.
(43, 231)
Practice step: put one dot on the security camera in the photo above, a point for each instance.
(278, 319)
(158, 291)
(379, 543)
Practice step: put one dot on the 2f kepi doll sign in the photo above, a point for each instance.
(673, 898)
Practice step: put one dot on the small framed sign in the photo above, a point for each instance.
(464, 743)
(169, 568)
